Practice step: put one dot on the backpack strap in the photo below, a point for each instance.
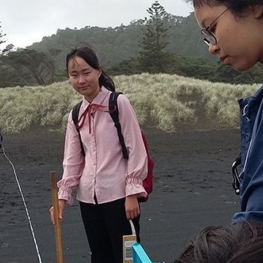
(114, 113)
(75, 118)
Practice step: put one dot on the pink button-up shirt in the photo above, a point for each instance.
(103, 171)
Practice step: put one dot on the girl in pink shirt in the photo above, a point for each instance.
(108, 185)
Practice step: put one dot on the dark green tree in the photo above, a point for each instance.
(126, 67)
(29, 67)
(152, 57)
(2, 35)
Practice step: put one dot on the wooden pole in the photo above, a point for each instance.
(57, 227)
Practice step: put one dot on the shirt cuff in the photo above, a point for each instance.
(134, 187)
(65, 193)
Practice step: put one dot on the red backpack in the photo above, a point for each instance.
(148, 181)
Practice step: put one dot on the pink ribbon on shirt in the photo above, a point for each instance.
(89, 110)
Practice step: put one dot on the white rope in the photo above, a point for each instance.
(24, 202)
(132, 227)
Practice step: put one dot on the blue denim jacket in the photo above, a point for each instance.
(251, 188)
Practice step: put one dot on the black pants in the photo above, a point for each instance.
(105, 224)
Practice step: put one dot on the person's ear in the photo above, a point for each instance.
(257, 11)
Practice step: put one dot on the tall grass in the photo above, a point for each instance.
(162, 100)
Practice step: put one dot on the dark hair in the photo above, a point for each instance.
(238, 7)
(239, 243)
(87, 53)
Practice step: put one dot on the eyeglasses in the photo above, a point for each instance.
(209, 37)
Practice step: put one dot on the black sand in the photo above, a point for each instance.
(192, 189)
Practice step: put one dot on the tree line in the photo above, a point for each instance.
(161, 43)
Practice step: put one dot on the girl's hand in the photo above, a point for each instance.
(132, 207)
(61, 204)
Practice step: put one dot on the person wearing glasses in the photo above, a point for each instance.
(233, 31)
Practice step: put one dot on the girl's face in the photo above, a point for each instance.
(239, 39)
(84, 78)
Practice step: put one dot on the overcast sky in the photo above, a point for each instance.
(27, 21)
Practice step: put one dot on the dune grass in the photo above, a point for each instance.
(162, 100)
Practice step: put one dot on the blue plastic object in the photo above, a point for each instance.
(139, 255)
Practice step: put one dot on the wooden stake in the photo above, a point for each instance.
(54, 192)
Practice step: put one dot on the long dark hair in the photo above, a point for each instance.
(87, 53)
(239, 243)
(238, 7)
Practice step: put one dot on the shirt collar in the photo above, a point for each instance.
(100, 99)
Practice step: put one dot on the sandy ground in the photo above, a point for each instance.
(192, 189)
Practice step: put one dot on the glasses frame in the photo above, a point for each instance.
(209, 37)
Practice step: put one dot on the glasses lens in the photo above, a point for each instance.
(209, 38)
